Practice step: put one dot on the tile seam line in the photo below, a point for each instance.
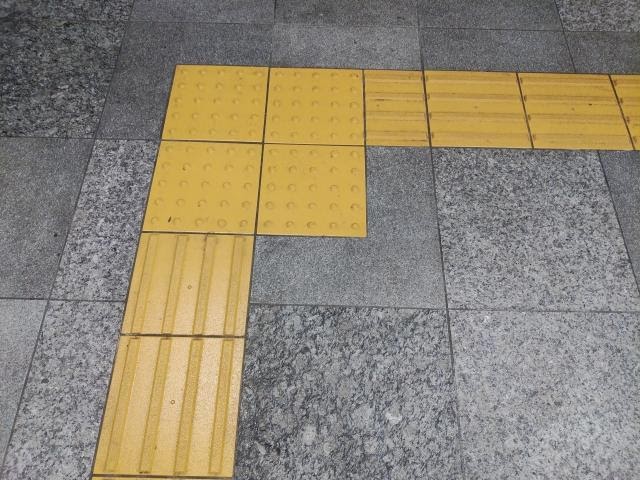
(564, 35)
(624, 118)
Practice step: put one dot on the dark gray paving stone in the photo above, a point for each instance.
(39, 184)
(622, 170)
(548, 395)
(605, 52)
(75, 10)
(347, 12)
(19, 324)
(530, 229)
(349, 47)
(512, 14)
(495, 50)
(102, 243)
(139, 92)
(347, 393)
(59, 417)
(398, 264)
(55, 76)
(221, 11)
(600, 15)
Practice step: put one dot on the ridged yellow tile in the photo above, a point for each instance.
(313, 191)
(475, 109)
(204, 188)
(217, 103)
(395, 108)
(172, 407)
(573, 112)
(190, 284)
(315, 106)
(628, 90)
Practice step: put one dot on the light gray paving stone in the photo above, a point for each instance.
(220, 11)
(347, 393)
(75, 10)
(600, 15)
(347, 12)
(548, 395)
(605, 52)
(530, 229)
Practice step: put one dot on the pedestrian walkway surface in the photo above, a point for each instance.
(325, 240)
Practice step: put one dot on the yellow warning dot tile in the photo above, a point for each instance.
(189, 284)
(573, 112)
(628, 90)
(395, 108)
(172, 408)
(475, 109)
(313, 191)
(204, 187)
(315, 106)
(217, 103)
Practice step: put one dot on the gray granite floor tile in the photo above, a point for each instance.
(347, 12)
(622, 170)
(530, 229)
(138, 96)
(398, 263)
(55, 76)
(600, 15)
(605, 52)
(75, 10)
(39, 184)
(334, 393)
(221, 11)
(58, 419)
(548, 395)
(495, 50)
(19, 324)
(349, 47)
(101, 247)
(511, 14)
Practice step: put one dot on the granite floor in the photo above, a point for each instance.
(487, 328)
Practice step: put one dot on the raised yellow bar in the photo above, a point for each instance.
(627, 88)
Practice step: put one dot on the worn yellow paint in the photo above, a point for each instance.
(475, 109)
(172, 407)
(315, 106)
(573, 112)
(204, 188)
(396, 108)
(627, 88)
(217, 103)
(313, 191)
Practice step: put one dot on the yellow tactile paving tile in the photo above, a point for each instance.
(172, 408)
(217, 103)
(573, 111)
(315, 106)
(313, 191)
(204, 188)
(475, 109)
(395, 108)
(627, 88)
(190, 284)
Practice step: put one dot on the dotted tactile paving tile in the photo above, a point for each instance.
(573, 112)
(315, 106)
(395, 107)
(189, 284)
(204, 188)
(172, 408)
(627, 88)
(313, 191)
(217, 103)
(475, 109)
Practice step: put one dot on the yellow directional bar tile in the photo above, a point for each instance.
(217, 103)
(313, 191)
(189, 284)
(172, 408)
(204, 187)
(395, 108)
(475, 109)
(315, 106)
(573, 112)
(628, 90)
